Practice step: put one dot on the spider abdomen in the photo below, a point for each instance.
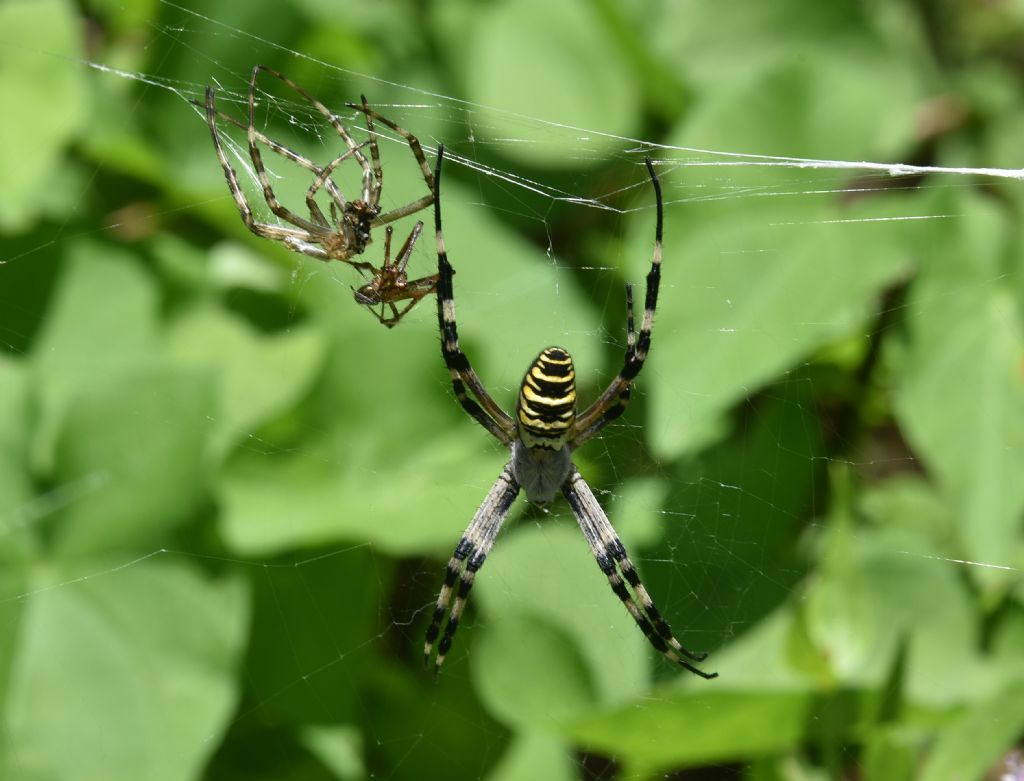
(546, 409)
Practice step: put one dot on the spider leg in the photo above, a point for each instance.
(323, 174)
(476, 543)
(372, 195)
(630, 330)
(261, 172)
(323, 179)
(417, 151)
(297, 238)
(390, 285)
(612, 403)
(339, 128)
(487, 413)
(414, 291)
(615, 564)
(405, 253)
(388, 233)
(324, 111)
(229, 171)
(405, 211)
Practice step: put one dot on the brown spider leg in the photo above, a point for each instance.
(414, 298)
(339, 128)
(323, 179)
(487, 413)
(384, 279)
(229, 171)
(372, 197)
(612, 403)
(389, 284)
(405, 253)
(274, 232)
(404, 211)
(293, 156)
(417, 150)
(388, 233)
(615, 564)
(325, 112)
(257, 160)
(469, 556)
(414, 290)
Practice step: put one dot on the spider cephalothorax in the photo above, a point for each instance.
(354, 228)
(543, 434)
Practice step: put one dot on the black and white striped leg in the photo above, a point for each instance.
(483, 408)
(612, 403)
(469, 556)
(635, 358)
(622, 576)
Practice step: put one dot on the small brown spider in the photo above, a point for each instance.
(390, 284)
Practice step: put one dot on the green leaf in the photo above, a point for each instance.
(257, 376)
(542, 38)
(328, 605)
(750, 288)
(18, 513)
(533, 755)
(338, 748)
(859, 625)
(526, 567)
(126, 676)
(40, 44)
(132, 457)
(529, 675)
(974, 741)
(839, 607)
(726, 558)
(680, 729)
(278, 501)
(960, 396)
(760, 35)
(889, 755)
(856, 103)
(101, 326)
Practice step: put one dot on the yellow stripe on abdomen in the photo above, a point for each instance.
(547, 400)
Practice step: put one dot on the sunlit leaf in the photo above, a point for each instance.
(40, 74)
(152, 648)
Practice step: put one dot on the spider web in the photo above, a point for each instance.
(230, 492)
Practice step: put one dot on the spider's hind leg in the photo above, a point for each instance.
(615, 564)
(469, 556)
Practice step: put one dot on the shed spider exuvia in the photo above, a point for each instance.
(543, 434)
(348, 230)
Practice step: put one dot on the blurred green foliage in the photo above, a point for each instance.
(226, 493)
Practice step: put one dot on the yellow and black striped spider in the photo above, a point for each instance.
(542, 436)
(348, 230)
